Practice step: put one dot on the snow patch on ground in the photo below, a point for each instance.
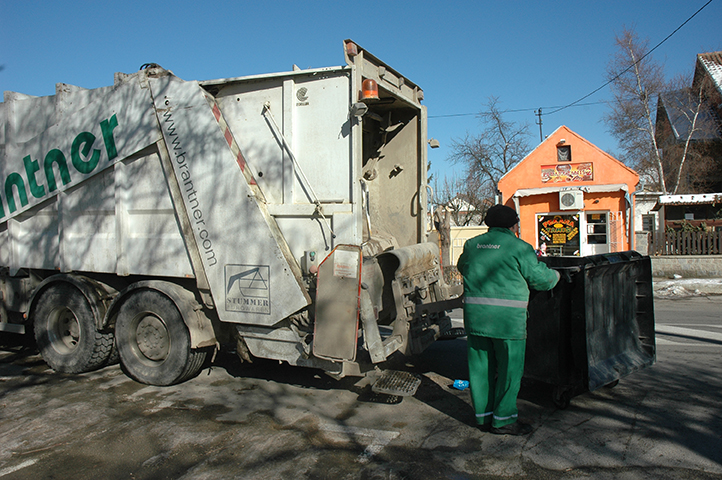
(687, 287)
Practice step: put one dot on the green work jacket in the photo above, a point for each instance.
(498, 269)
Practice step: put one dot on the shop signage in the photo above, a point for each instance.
(569, 172)
(560, 234)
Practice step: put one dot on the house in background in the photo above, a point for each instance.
(464, 213)
(572, 197)
(696, 209)
(691, 224)
(459, 236)
(676, 112)
(701, 211)
(646, 220)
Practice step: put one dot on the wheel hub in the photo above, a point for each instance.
(153, 339)
(64, 330)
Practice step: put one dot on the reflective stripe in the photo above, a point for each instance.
(516, 415)
(482, 415)
(496, 302)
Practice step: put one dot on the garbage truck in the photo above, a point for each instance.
(158, 220)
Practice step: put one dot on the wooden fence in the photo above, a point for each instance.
(688, 243)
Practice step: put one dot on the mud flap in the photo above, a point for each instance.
(337, 304)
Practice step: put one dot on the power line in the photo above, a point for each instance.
(635, 63)
(518, 110)
(576, 103)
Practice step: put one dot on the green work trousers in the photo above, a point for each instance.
(495, 370)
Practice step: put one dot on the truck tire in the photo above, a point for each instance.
(66, 333)
(153, 341)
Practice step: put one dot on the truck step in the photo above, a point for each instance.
(453, 333)
(12, 327)
(394, 382)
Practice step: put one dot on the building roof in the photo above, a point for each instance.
(566, 135)
(712, 63)
(689, 199)
(679, 106)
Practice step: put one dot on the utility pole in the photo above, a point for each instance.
(538, 113)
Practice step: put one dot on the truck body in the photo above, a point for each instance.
(158, 219)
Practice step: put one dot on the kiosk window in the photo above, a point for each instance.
(596, 228)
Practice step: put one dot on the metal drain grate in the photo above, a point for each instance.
(394, 382)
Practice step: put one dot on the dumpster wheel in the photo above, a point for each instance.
(562, 397)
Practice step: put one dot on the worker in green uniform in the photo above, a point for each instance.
(498, 269)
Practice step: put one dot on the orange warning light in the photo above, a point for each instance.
(369, 90)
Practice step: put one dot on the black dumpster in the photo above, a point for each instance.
(595, 327)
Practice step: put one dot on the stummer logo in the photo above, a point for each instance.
(34, 181)
(248, 288)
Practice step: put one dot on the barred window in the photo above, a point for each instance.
(564, 153)
(648, 222)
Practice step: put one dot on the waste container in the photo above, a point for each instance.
(595, 327)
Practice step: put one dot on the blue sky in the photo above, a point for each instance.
(529, 54)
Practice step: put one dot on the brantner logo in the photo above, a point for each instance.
(248, 288)
(40, 179)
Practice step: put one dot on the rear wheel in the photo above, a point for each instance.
(153, 341)
(66, 333)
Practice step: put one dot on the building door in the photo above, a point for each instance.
(596, 227)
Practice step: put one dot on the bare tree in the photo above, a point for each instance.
(493, 152)
(632, 119)
(684, 127)
(465, 201)
(637, 84)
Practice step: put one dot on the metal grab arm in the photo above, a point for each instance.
(366, 208)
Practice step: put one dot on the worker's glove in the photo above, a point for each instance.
(566, 273)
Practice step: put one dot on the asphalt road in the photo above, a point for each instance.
(271, 421)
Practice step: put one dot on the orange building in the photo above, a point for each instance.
(572, 197)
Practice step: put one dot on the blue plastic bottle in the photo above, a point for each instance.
(461, 384)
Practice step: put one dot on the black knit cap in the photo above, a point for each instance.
(501, 216)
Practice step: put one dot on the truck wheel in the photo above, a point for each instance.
(114, 357)
(154, 342)
(65, 331)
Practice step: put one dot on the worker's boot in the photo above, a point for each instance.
(517, 428)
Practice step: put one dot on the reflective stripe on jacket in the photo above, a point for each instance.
(498, 269)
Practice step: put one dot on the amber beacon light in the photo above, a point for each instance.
(369, 90)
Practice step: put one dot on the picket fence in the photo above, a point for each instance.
(688, 243)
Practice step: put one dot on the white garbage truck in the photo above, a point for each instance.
(158, 220)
